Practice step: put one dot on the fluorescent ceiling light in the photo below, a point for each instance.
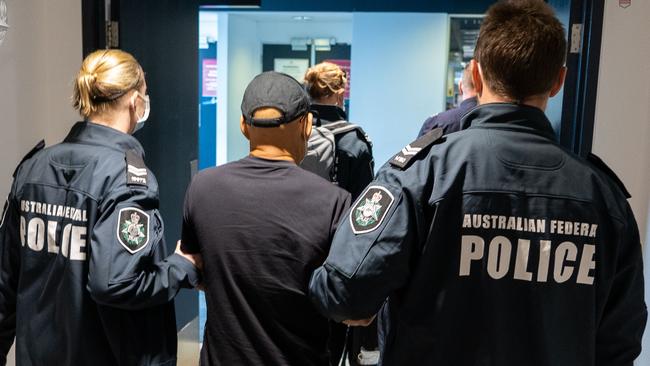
(323, 44)
(299, 44)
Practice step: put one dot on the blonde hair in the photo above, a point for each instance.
(104, 77)
(325, 79)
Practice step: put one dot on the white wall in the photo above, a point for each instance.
(241, 36)
(398, 72)
(282, 32)
(243, 63)
(622, 125)
(38, 61)
(399, 65)
(222, 89)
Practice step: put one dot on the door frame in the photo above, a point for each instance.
(581, 85)
(95, 17)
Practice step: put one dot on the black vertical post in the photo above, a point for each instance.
(92, 24)
(592, 38)
(581, 86)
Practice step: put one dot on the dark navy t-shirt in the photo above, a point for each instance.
(262, 228)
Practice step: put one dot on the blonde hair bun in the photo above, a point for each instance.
(104, 77)
(325, 79)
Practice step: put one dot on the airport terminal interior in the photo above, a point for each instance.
(403, 60)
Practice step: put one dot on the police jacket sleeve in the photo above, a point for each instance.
(371, 250)
(9, 269)
(128, 268)
(624, 315)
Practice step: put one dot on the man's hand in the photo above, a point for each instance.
(196, 259)
(360, 322)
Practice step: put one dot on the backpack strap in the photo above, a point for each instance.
(339, 127)
(343, 126)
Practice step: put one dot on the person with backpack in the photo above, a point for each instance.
(340, 152)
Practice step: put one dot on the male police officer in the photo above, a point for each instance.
(449, 120)
(494, 245)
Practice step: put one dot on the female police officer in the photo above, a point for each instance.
(83, 274)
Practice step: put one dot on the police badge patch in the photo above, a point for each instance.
(370, 210)
(133, 229)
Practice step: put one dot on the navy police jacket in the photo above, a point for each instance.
(492, 246)
(448, 120)
(84, 276)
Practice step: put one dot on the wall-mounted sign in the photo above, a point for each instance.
(295, 67)
(209, 77)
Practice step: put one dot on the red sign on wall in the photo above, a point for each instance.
(209, 77)
(624, 3)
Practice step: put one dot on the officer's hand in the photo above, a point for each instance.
(196, 259)
(360, 322)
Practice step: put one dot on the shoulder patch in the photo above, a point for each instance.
(133, 229)
(371, 209)
(136, 171)
(34, 150)
(600, 165)
(410, 151)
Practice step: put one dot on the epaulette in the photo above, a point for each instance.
(136, 171)
(403, 158)
(600, 165)
(34, 150)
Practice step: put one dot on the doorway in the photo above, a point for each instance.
(398, 54)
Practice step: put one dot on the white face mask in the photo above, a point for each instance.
(147, 109)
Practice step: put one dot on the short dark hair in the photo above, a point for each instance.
(521, 48)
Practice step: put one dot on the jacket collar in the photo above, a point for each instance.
(329, 113)
(95, 134)
(468, 103)
(509, 116)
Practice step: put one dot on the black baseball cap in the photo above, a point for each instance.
(274, 90)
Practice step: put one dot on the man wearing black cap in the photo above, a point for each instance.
(262, 225)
